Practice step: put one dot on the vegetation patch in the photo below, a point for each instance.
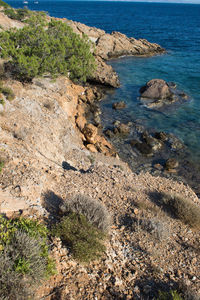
(83, 239)
(2, 101)
(46, 48)
(182, 208)
(172, 295)
(4, 4)
(1, 164)
(24, 257)
(7, 92)
(94, 211)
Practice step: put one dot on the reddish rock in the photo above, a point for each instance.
(90, 133)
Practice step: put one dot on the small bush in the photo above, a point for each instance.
(24, 257)
(184, 209)
(8, 92)
(2, 101)
(1, 165)
(93, 210)
(82, 238)
(172, 295)
(20, 14)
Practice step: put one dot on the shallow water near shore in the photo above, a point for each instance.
(176, 27)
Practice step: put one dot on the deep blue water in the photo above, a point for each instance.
(176, 27)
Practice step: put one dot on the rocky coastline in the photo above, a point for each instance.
(53, 147)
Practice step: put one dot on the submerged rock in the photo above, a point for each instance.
(171, 163)
(157, 92)
(119, 105)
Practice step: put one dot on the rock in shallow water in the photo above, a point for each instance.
(119, 105)
(157, 93)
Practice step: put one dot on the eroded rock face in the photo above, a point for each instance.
(105, 74)
(158, 92)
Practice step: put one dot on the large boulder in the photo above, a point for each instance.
(156, 89)
(157, 92)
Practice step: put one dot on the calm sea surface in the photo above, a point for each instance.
(176, 27)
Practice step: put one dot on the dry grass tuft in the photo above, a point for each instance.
(181, 208)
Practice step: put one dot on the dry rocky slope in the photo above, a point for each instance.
(46, 161)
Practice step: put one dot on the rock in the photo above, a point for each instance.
(119, 105)
(158, 92)
(171, 163)
(105, 74)
(109, 133)
(156, 89)
(152, 142)
(161, 136)
(133, 142)
(97, 121)
(90, 133)
(112, 45)
(144, 148)
(81, 122)
(103, 146)
(121, 128)
(158, 166)
(91, 148)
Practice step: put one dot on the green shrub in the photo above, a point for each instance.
(4, 4)
(21, 14)
(83, 239)
(50, 48)
(2, 101)
(94, 211)
(172, 295)
(8, 92)
(1, 165)
(24, 257)
(181, 208)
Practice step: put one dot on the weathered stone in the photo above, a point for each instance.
(81, 122)
(171, 163)
(90, 133)
(119, 105)
(156, 89)
(158, 92)
(91, 148)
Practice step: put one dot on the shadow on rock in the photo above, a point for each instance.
(52, 202)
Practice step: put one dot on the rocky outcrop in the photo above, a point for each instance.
(158, 92)
(113, 45)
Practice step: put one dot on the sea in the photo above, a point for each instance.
(176, 27)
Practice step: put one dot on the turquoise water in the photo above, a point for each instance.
(175, 27)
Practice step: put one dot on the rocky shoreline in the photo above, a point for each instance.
(44, 140)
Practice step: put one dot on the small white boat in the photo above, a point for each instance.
(36, 2)
(25, 2)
